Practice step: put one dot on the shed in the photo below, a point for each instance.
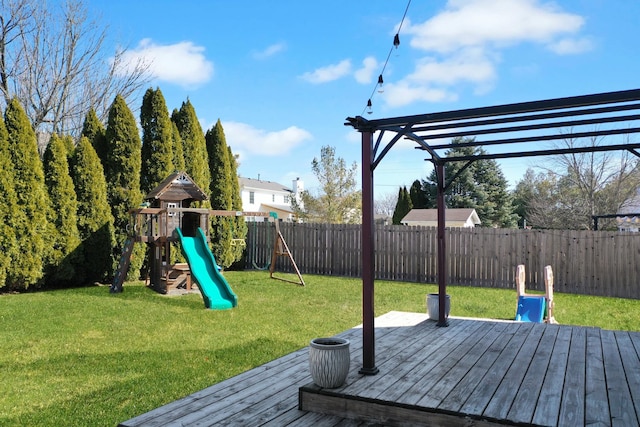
(457, 217)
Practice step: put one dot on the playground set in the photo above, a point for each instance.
(167, 218)
(534, 307)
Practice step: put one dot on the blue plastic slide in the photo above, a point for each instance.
(530, 309)
(216, 292)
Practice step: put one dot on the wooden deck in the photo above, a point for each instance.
(472, 373)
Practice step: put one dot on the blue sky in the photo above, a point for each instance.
(282, 76)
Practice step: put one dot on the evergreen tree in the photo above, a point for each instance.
(65, 252)
(418, 197)
(480, 186)
(178, 153)
(157, 140)
(30, 221)
(402, 207)
(95, 221)
(221, 190)
(122, 171)
(193, 145)
(240, 227)
(69, 146)
(94, 130)
(8, 208)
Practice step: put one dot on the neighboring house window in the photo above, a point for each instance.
(286, 198)
(273, 197)
(252, 197)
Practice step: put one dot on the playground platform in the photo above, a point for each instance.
(473, 373)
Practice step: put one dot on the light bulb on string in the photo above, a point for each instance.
(380, 83)
(396, 42)
(369, 110)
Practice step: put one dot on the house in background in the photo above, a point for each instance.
(453, 217)
(268, 196)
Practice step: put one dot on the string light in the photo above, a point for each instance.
(396, 44)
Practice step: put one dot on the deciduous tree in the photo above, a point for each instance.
(55, 60)
(338, 200)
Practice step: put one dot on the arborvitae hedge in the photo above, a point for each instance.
(8, 208)
(194, 146)
(240, 223)
(30, 220)
(94, 130)
(95, 221)
(220, 187)
(178, 152)
(122, 170)
(66, 253)
(157, 140)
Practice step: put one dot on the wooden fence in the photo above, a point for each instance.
(600, 263)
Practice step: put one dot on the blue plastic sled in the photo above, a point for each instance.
(531, 309)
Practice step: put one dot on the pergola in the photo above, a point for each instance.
(506, 128)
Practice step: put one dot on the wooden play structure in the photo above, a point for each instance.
(167, 208)
(535, 307)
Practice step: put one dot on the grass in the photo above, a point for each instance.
(86, 357)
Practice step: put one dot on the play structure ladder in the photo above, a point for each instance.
(123, 266)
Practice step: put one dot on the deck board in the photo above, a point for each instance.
(473, 373)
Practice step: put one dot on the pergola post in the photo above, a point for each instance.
(442, 264)
(368, 340)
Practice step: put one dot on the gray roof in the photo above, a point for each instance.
(262, 185)
(454, 214)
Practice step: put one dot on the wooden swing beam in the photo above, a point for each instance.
(280, 247)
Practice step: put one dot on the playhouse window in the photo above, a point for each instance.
(171, 205)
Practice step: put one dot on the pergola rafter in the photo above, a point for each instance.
(505, 127)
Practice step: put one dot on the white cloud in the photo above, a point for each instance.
(466, 23)
(464, 44)
(181, 63)
(468, 65)
(328, 73)
(365, 74)
(244, 138)
(570, 46)
(269, 51)
(405, 93)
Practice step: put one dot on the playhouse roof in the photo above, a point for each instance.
(177, 187)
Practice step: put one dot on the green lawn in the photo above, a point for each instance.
(87, 357)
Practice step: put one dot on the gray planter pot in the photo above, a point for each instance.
(433, 306)
(329, 361)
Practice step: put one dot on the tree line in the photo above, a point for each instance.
(565, 192)
(64, 217)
